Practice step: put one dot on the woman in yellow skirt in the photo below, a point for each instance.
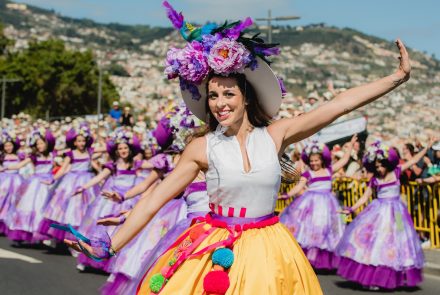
(239, 247)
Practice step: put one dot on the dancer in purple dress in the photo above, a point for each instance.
(125, 280)
(120, 176)
(10, 180)
(34, 193)
(178, 124)
(380, 248)
(313, 218)
(66, 207)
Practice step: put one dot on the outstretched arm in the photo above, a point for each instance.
(367, 194)
(344, 160)
(414, 160)
(63, 170)
(296, 189)
(19, 165)
(136, 190)
(288, 131)
(191, 162)
(97, 179)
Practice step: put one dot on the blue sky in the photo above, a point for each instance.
(416, 22)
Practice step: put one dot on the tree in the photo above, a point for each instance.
(62, 82)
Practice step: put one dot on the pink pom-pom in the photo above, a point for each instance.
(164, 271)
(216, 282)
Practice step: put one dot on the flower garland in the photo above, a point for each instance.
(222, 49)
(377, 151)
(314, 147)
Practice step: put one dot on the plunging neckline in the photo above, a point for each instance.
(246, 153)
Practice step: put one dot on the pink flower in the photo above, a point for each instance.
(228, 56)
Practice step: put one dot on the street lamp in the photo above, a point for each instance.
(99, 91)
(269, 20)
(4, 81)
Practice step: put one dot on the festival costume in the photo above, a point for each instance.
(66, 207)
(10, 181)
(33, 196)
(266, 258)
(381, 247)
(119, 181)
(195, 200)
(314, 220)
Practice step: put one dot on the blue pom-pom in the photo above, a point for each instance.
(223, 257)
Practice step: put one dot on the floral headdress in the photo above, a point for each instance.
(316, 147)
(174, 128)
(122, 136)
(41, 133)
(379, 151)
(222, 50)
(6, 136)
(82, 130)
(182, 124)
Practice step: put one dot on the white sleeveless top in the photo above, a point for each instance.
(233, 192)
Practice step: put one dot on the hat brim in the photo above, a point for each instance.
(264, 81)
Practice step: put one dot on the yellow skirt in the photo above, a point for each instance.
(266, 261)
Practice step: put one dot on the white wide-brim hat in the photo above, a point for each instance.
(264, 81)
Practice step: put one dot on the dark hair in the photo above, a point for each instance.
(114, 155)
(410, 147)
(46, 152)
(386, 164)
(256, 114)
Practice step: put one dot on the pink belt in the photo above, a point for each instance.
(188, 242)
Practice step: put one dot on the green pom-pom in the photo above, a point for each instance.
(172, 261)
(156, 282)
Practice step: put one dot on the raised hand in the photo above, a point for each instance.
(354, 139)
(404, 69)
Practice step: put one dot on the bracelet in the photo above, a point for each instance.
(111, 251)
(349, 209)
(122, 197)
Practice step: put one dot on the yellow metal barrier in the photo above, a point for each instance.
(422, 202)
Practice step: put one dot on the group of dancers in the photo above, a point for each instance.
(193, 212)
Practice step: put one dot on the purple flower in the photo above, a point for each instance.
(185, 85)
(193, 65)
(189, 63)
(228, 56)
(208, 41)
(172, 62)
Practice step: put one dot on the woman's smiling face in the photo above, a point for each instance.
(226, 101)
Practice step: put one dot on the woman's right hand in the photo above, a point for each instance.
(75, 246)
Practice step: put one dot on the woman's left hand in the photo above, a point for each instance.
(404, 65)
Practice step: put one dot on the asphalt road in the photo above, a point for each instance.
(38, 270)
